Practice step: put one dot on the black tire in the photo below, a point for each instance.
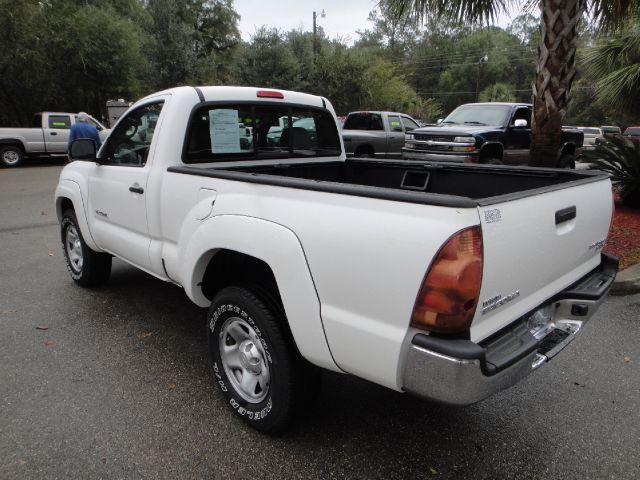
(87, 267)
(11, 156)
(256, 347)
(567, 161)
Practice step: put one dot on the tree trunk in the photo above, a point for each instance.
(555, 71)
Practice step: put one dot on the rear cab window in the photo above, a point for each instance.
(238, 131)
(363, 121)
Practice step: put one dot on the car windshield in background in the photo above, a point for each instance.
(493, 115)
(363, 121)
(591, 131)
(258, 131)
(635, 131)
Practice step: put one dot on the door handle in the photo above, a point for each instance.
(53, 133)
(565, 215)
(135, 188)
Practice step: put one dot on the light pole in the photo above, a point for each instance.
(481, 60)
(315, 32)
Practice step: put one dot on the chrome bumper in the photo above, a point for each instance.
(410, 154)
(461, 372)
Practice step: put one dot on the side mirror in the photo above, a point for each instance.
(83, 149)
(520, 123)
(397, 129)
(408, 129)
(439, 121)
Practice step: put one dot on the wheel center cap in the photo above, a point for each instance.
(250, 357)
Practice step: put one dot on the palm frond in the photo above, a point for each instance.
(452, 11)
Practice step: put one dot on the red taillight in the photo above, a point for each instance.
(449, 293)
(269, 94)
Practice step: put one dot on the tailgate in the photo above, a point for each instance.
(536, 246)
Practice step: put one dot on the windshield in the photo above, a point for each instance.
(632, 131)
(493, 115)
(260, 131)
(591, 131)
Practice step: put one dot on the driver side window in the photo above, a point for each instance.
(129, 142)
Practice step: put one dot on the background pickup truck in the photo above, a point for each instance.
(447, 281)
(491, 133)
(376, 134)
(48, 136)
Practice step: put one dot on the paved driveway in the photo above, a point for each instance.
(113, 383)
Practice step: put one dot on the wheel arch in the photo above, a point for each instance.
(491, 150)
(263, 254)
(69, 195)
(364, 148)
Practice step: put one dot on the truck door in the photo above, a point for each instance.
(117, 187)
(56, 132)
(395, 137)
(518, 138)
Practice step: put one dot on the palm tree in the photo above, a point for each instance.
(614, 65)
(556, 63)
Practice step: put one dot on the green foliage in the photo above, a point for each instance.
(614, 65)
(498, 92)
(620, 158)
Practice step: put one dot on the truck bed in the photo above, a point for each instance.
(434, 184)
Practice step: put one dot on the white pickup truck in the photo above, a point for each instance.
(450, 282)
(48, 137)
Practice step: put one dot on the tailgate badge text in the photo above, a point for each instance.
(497, 301)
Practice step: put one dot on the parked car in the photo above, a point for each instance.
(376, 134)
(491, 133)
(48, 136)
(592, 136)
(610, 130)
(449, 282)
(632, 133)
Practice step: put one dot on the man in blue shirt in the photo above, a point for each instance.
(83, 129)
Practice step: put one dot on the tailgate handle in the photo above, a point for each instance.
(565, 215)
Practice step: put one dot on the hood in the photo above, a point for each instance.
(454, 129)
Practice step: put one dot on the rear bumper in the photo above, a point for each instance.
(461, 372)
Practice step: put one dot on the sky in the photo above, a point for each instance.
(343, 17)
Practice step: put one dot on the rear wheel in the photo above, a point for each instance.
(254, 362)
(11, 156)
(87, 267)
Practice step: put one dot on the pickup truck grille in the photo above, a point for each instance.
(419, 146)
(433, 138)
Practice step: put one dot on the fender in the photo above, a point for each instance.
(70, 189)
(278, 247)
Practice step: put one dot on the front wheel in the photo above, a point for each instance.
(11, 156)
(88, 268)
(254, 362)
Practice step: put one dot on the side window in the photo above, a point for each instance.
(409, 124)
(395, 125)
(60, 121)
(130, 141)
(522, 114)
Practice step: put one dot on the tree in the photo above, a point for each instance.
(498, 92)
(556, 63)
(614, 64)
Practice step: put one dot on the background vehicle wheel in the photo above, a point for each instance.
(87, 267)
(11, 156)
(567, 161)
(254, 362)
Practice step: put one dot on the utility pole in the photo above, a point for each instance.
(315, 33)
(482, 60)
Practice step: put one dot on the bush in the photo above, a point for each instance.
(620, 158)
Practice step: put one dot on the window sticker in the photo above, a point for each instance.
(224, 131)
